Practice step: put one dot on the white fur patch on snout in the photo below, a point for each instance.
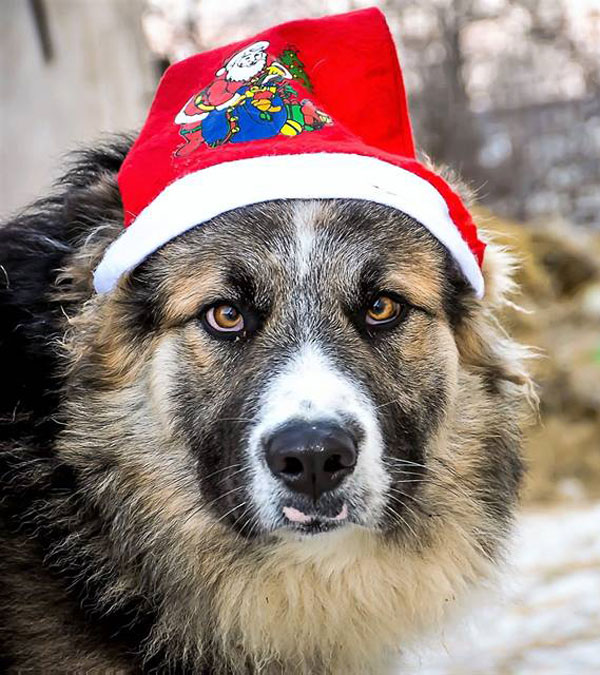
(311, 388)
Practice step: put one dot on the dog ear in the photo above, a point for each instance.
(482, 343)
(484, 346)
(47, 255)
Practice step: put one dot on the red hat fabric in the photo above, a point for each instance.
(309, 109)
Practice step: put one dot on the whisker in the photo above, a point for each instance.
(408, 462)
(404, 472)
(255, 524)
(398, 519)
(413, 480)
(193, 513)
(239, 506)
(401, 516)
(214, 473)
(242, 517)
(254, 527)
(225, 494)
(222, 480)
(434, 478)
(251, 519)
(405, 494)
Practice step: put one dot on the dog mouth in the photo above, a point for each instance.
(314, 523)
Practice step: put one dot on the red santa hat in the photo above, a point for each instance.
(310, 109)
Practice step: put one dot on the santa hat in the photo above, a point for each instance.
(311, 109)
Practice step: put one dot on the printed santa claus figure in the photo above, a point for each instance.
(243, 103)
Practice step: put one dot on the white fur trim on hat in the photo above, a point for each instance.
(200, 196)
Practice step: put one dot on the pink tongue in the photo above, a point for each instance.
(342, 514)
(298, 517)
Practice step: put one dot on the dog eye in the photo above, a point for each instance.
(383, 310)
(224, 319)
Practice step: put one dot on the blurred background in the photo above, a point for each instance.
(505, 91)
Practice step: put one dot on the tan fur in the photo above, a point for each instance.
(104, 339)
(482, 341)
(420, 283)
(185, 293)
(383, 597)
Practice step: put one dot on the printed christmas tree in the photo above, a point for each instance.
(289, 58)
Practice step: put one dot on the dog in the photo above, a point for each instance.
(288, 443)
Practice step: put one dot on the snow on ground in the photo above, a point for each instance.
(548, 618)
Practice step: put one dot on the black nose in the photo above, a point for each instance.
(311, 458)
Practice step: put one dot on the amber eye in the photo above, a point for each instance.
(383, 310)
(225, 319)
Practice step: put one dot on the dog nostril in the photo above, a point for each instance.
(333, 464)
(311, 458)
(292, 466)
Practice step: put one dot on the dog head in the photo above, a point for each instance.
(304, 354)
(297, 409)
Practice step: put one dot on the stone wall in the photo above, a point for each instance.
(70, 70)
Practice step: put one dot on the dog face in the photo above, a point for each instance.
(302, 357)
(307, 362)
